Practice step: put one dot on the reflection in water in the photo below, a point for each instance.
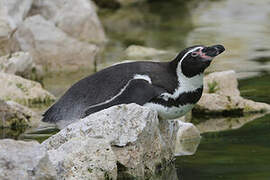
(231, 155)
(256, 88)
(226, 123)
(186, 146)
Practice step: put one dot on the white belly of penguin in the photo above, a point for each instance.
(173, 112)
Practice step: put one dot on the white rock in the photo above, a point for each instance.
(78, 18)
(221, 95)
(51, 47)
(133, 131)
(24, 161)
(141, 51)
(23, 91)
(84, 158)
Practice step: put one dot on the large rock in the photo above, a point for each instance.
(132, 129)
(77, 18)
(21, 64)
(84, 158)
(24, 161)
(141, 144)
(51, 47)
(23, 91)
(12, 13)
(221, 96)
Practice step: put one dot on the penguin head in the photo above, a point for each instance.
(194, 60)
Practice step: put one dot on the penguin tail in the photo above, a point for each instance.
(51, 115)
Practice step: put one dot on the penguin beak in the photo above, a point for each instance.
(209, 53)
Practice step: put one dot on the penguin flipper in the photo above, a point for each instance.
(137, 91)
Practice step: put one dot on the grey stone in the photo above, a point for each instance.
(133, 132)
(84, 158)
(24, 161)
(51, 47)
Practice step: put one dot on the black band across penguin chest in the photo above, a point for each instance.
(184, 98)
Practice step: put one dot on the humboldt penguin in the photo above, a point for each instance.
(171, 88)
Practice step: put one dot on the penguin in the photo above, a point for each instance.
(171, 88)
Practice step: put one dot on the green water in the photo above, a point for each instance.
(230, 155)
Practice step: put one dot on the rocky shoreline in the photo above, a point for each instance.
(127, 140)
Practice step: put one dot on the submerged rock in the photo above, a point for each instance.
(24, 161)
(23, 91)
(51, 47)
(84, 158)
(222, 97)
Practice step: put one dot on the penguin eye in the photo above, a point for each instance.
(194, 54)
